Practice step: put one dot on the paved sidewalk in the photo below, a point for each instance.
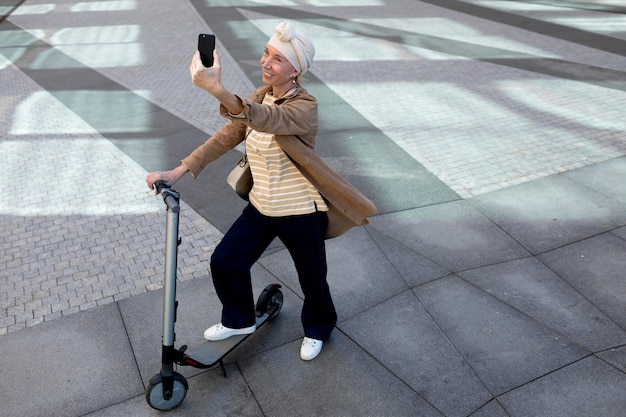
(490, 135)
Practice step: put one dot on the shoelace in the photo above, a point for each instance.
(309, 342)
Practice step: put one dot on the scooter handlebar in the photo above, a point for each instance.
(170, 197)
(160, 185)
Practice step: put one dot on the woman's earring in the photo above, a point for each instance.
(293, 79)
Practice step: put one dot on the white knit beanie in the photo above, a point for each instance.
(294, 45)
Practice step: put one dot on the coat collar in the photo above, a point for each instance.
(260, 93)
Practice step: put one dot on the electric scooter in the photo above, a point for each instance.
(167, 389)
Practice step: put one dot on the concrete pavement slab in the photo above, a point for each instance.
(589, 387)
(505, 348)
(615, 356)
(603, 177)
(404, 338)
(621, 232)
(492, 409)
(551, 212)
(413, 267)
(68, 367)
(532, 288)
(454, 235)
(343, 381)
(595, 268)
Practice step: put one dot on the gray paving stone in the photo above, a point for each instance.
(454, 235)
(505, 348)
(595, 268)
(403, 337)
(621, 232)
(492, 409)
(69, 367)
(615, 356)
(343, 381)
(589, 387)
(551, 212)
(601, 177)
(413, 267)
(532, 288)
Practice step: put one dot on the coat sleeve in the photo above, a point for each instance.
(295, 115)
(229, 136)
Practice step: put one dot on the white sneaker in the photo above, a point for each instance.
(220, 332)
(310, 348)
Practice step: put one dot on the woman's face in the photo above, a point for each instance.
(277, 71)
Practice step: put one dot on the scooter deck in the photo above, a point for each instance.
(210, 353)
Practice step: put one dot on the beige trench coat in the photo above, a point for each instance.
(294, 122)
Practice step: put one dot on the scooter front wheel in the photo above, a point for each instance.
(155, 397)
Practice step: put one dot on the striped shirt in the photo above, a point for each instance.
(279, 188)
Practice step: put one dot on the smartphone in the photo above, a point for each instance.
(206, 45)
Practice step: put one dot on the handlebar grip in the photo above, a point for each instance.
(172, 202)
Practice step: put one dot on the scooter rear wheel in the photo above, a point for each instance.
(154, 393)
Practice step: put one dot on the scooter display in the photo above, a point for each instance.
(167, 389)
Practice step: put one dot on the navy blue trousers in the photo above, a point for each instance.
(243, 245)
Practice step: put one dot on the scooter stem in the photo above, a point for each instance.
(172, 241)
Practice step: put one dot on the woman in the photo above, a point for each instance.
(292, 193)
